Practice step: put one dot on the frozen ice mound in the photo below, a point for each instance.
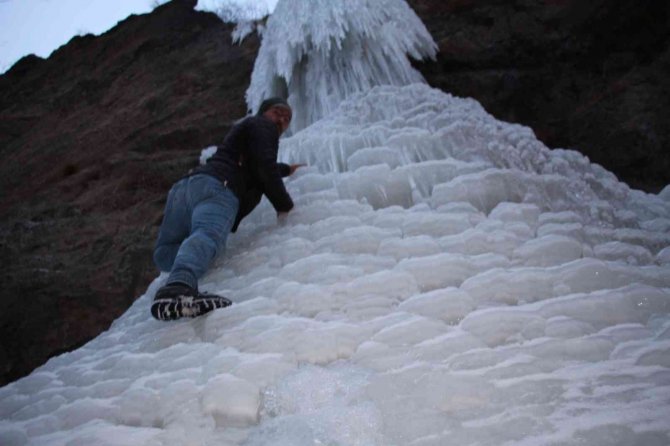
(443, 279)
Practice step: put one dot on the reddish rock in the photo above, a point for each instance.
(91, 140)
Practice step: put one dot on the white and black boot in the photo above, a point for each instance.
(174, 301)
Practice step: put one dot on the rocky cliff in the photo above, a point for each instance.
(91, 140)
(592, 76)
(93, 137)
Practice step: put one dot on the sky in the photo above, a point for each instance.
(41, 26)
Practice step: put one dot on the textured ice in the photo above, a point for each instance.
(448, 280)
(443, 279)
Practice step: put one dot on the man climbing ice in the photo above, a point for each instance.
(206, 205)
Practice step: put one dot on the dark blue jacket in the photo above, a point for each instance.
(246, 163)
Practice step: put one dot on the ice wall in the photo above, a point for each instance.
(443, 279)
(316, 53)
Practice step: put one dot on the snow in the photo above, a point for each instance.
(444, 279)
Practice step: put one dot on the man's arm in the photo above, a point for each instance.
(286, 170)
(262, 156)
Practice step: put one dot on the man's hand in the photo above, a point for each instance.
(295, 167)
(282, 217)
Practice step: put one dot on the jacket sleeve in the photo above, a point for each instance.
(263, 143)
(284, 169)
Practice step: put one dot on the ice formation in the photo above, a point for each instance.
(443, 279)
(316, 53)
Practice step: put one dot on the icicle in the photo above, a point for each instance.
(317, 53)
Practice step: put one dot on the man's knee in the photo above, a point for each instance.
(211, 238)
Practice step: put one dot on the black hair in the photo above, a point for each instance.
(269, 103)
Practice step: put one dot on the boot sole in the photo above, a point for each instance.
(169, 309)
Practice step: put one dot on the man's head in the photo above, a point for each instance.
(278, 111)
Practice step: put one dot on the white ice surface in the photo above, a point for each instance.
(443, 279)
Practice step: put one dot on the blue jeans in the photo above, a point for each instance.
(199, 213)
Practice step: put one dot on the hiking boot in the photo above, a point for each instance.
(174, 301)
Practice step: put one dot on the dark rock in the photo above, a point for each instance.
(591, 76)
(91, 140)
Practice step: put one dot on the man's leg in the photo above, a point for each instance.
(175, 227)
(211, 221)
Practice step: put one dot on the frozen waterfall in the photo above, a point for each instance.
(443, 279)
(316, 53)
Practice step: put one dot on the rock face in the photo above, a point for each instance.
(592, 76)
(93, 137)
(91, 140)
